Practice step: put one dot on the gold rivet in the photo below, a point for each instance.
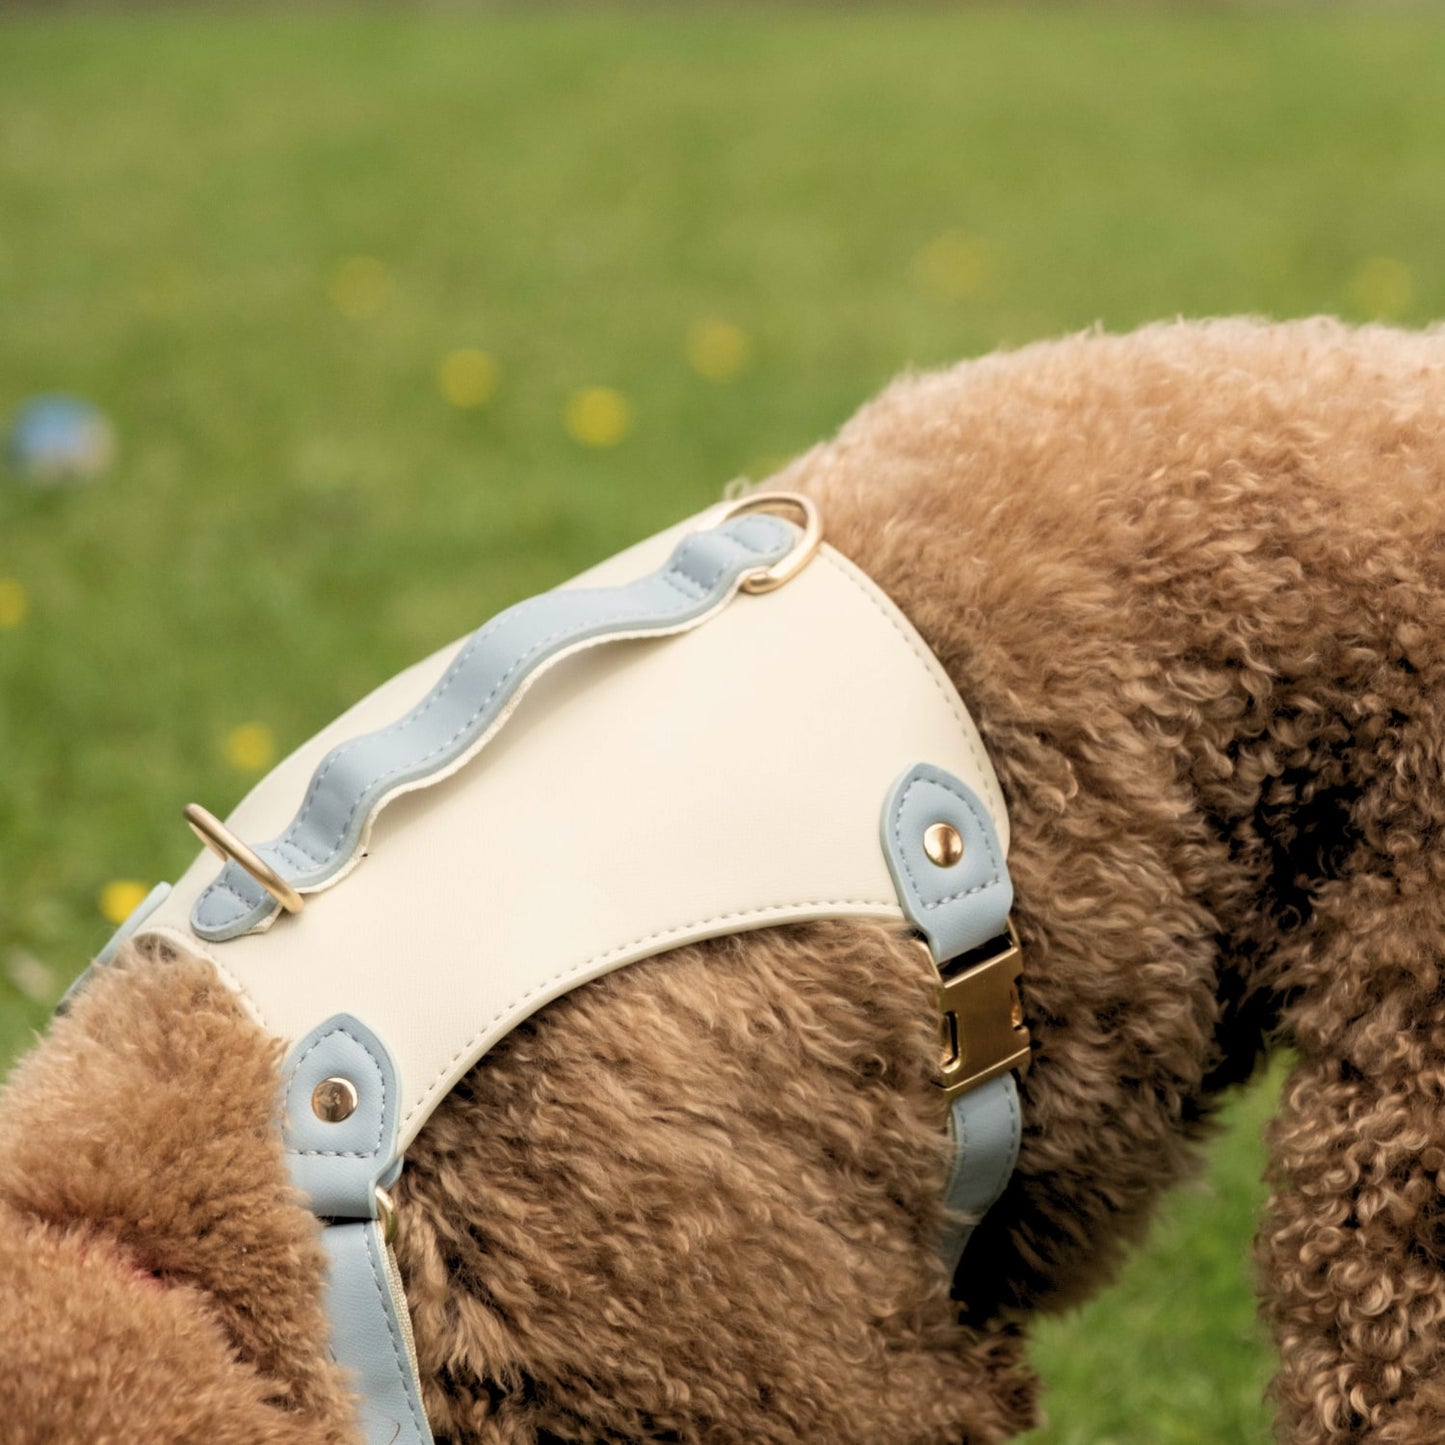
(334, 1100)
(943, 843)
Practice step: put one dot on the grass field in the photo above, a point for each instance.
(401, 316)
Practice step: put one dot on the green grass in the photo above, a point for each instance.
(297, 511)
(1172, 1354)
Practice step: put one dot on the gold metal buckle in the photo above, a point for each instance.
(982, 1032)
(225, 844)
(767, 579)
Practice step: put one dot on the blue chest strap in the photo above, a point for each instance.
(961, 910)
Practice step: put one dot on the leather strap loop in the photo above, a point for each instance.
(338, 1165)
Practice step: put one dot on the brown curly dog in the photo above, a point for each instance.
(1191, 583)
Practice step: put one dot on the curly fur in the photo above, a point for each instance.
(1190, 583)
(157, 1280)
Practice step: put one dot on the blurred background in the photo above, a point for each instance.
(327, 332)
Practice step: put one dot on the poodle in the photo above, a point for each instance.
(1191, 584)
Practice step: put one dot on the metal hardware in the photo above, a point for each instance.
(982, 1033)
(386, 1212)
(767, 579)
(225, 844)
(943, 843)
(334, 1100)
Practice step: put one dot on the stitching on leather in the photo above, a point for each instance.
(621, 948)
(1006, 1164)
(220, 885)
(903, 852)
(673, 575)
(960, 1163)
(388, 1314)
(402, 724)
(381, 1118)
(224, 919)
(289, 851)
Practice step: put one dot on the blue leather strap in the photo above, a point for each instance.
(370, 1335)
(338, 1165)
(958, 908)
(986, 1126)
(473, 699)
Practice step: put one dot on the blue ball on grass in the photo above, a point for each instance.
(58, 439)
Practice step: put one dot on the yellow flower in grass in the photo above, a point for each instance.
(14, 602)
(598, 416)
(250, 747)
(717, 350)
(120, 898)
(467, 377)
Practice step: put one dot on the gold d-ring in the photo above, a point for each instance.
(386, 1214)
(225, 844)
(765, 579)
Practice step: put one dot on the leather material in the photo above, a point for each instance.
(698, 782)
(338, 1166)
(642, 797)
(370, 1338)
(987, 1128)
(474, 697)
(955, 908)
(958, 908)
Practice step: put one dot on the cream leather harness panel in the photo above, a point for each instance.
(616, 815)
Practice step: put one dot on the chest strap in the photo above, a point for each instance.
(960, 906)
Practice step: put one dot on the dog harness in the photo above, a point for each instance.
(723, 728)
